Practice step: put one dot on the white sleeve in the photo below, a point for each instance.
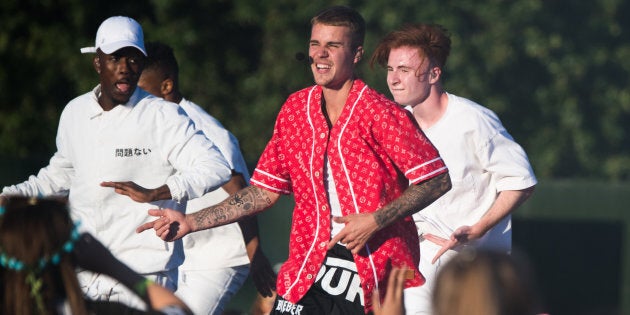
(508, 162)
(200, 165)
(52, 179)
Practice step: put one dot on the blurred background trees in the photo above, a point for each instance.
(556, 72)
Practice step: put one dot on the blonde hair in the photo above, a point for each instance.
(485, 283)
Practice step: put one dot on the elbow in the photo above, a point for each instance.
(447, 184)
(528, 192)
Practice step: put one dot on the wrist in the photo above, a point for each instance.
(191, 221)
(161, 193)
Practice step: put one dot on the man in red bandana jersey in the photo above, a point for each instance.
(347, 154)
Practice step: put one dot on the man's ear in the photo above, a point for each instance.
(359, 54)
(435, 75)
(167, 86)
(97, 64)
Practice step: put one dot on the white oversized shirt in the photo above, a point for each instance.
(483, 160)
(148, 141)
(222, 246)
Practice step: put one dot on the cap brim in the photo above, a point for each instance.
(112, 47)
(87, 50)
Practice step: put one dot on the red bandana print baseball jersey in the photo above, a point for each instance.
(375, 149)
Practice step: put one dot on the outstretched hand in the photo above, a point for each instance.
(132, 190)
(169, 226)
(358, 230)
(461, 236)
(393, 302)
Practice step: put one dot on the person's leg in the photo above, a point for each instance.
(418, 299)
(209, 291)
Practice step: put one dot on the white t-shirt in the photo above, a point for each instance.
(333, 200)
(148, 141)
(222, 246)
(483, 160)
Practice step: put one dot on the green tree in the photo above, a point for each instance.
(556, 72)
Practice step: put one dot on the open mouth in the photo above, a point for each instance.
(320, 66)
(123, 87)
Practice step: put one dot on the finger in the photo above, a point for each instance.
(434, 239)
(121, 191)
(340, 219)
(335, 239)
(144, 227)
(443, 250)
(391, 284)
(399, 282)
(165, 233)
(157, 212)
(376, 300)
(356, 247)
(161, 227)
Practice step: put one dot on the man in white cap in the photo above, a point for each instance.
(121, 151)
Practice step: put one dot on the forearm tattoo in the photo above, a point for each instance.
(414, 199)
(246, 202)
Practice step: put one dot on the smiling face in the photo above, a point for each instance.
(408, 76)
(330, 48)
(118, 73)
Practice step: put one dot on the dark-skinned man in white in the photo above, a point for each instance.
(119, 151)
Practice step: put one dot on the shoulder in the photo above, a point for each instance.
(376, 106)
(300, 97)
(80, 101)
(470, 112)
(159, 106)
(298, 102)
(198, 114)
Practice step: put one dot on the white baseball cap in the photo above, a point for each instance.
(115, 33)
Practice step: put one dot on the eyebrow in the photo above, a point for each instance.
(327, 43)
(401, 67)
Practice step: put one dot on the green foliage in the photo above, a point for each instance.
(556, 72)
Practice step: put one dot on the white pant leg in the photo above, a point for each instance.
(100, 287)
(208, 291)
(418, 299)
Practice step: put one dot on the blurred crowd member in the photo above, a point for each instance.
(393, 302)
(483, 282)
(40, 248)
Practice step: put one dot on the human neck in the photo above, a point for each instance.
(106, 103)
(431, 110)
(174, 97)
(335, 100)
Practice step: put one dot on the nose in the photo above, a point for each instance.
(319, 52)
(124, 66)
(392, 78)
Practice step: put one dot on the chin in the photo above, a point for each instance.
(122, 100)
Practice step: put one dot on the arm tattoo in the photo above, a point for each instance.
(414, 199)
(248, 201)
